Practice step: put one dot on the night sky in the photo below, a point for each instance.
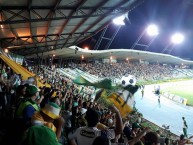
(169, 15)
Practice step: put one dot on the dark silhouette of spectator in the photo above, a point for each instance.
(185, 127)
(101, 140)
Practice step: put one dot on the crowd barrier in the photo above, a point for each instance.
(176, 98)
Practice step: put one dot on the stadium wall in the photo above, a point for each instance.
(175, 98)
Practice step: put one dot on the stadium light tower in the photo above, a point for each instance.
(108, 38)
(119, 20)
(176, 39)
(153, 31)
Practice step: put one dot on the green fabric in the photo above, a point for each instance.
(3, 71)
(105, 84)
(185, 132)
(41, 135)
(23, 105)
(54, 105)
(31, 90)
(135, 125)
(81, 81)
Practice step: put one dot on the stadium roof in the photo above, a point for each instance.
(120, 54)
(31, 26)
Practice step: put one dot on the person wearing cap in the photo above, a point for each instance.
(134, 131)
(28, 106)
(49, 116)
(81, 121)
(86, 135)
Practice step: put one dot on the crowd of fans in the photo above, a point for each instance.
(143, 72)
(66, 113)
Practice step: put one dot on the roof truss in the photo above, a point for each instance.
(28, 28)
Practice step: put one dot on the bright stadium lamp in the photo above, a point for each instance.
(177, 38)
(119, 20)
(6, 50)
(152, 30)
(86, 48)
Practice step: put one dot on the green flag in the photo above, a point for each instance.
(105, 83)
(82, 81)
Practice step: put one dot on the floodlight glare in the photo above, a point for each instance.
(119, 20)
(6, 50)
(152, 30)
(86, 48)
(177, 38)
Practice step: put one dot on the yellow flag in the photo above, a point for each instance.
(123, 107)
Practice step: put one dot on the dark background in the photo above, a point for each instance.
(169, 15)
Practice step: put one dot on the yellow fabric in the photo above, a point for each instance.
(118, 102)
(101, 126)
(20, 70)
(38, 116)
(54, 94)
(50, 114)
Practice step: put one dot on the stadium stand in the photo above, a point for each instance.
(75, 100)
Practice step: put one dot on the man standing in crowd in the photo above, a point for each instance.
(159, 103)
(142, 91)
(185, 127)
(28, 106)
(86, 135)
(24, 111)
(49, 116)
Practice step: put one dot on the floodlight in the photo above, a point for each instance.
(119, 20)
(6, 50)
(152, 30)
(53, 55)
(86, 48)
(177, 38)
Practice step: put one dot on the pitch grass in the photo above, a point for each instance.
(181, 88)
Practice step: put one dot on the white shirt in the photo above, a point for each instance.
(86, 135)
(184, 125)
